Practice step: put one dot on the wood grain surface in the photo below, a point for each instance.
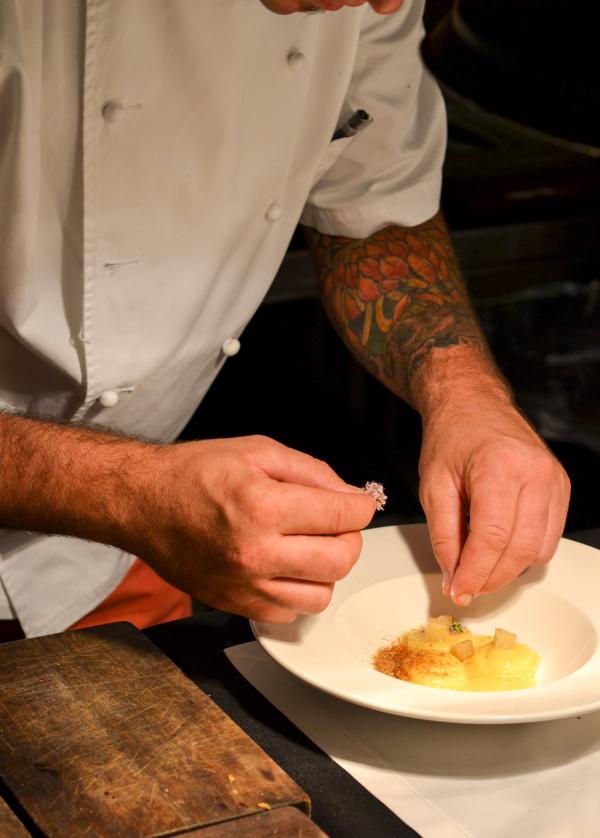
(11, 826)
(286, 822)
(280, 823)
(101, 735)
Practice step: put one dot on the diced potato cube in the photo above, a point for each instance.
(434, 632)
(443, 620)
(436, 629)
(504, 639)
(463, 650)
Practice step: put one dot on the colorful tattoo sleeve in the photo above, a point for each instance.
(395, 297)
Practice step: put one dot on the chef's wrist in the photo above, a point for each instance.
(139, 510)
(458, 380)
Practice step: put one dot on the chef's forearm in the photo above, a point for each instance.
(398, 301)
(72, 481)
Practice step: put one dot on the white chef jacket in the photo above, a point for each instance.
(155, 158)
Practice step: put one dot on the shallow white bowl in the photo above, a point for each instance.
(396, 584)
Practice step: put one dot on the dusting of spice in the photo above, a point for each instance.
(377, 492)
(401, 661)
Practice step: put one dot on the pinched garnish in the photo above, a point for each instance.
(377, 493)
(456, 628)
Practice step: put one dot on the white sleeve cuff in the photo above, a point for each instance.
(407, 208)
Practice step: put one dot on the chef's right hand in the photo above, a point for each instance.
(250, 526)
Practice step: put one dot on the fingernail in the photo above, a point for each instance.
(445, 581)
(463, 599)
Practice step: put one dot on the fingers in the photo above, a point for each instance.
(559, 505)
(307, 495)
(526, 539)
(279, 600)
(315, 558)
(298, 596)
(554, 510)
(446, 519)
(296, 577)
(266, 613)
(516, 491)
(301, 510)
(511, 529)
(386, 7)
(274, 604)
(492, 514)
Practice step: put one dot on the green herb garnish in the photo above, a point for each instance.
(456, 628)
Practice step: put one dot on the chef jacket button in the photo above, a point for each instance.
(231, 347)
(112, 110)
(296, 60)
(274, 212)
(109, 398)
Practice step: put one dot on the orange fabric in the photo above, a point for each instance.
(142, 598)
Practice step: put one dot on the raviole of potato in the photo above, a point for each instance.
(447, 655)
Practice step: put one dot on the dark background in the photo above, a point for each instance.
(525, 222)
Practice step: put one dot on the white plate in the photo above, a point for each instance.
(396, 584)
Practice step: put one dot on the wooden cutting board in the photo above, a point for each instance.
(102, 735)
(11, 826)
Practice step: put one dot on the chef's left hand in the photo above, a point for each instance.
(483, 460)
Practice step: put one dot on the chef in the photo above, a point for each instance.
(155, 159)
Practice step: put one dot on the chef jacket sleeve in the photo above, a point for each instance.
(390, 173)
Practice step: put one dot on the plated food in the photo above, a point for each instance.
(397, 581)
(445, 654)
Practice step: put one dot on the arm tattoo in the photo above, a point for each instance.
(395, 297)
